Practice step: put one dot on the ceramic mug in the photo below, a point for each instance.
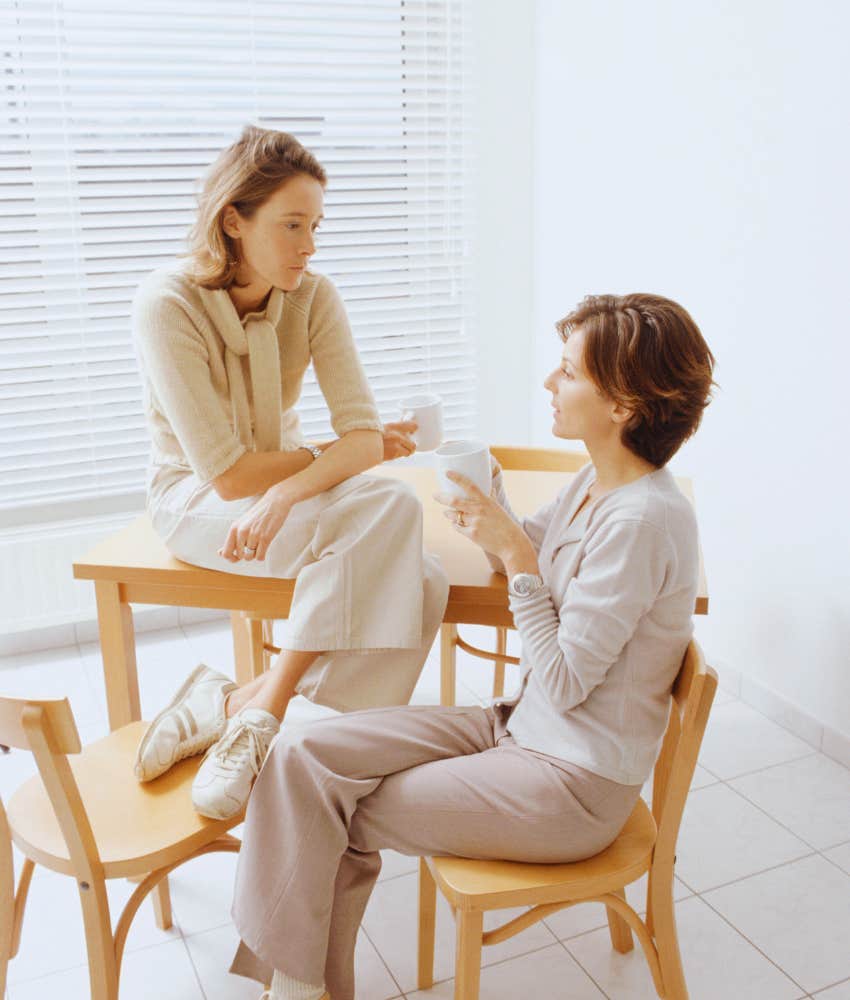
(427, 410)
(471, 459)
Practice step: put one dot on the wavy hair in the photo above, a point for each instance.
(244, 175)
(646, 353)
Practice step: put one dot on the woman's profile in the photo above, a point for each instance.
(602, 583)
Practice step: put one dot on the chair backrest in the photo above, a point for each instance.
(47, 728)
(58, 719)
(693, 694)
(539, 459)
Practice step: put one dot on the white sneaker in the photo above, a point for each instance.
(192, 721)
(223, 782)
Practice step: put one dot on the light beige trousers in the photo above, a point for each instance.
(365, 592)
(422, 780)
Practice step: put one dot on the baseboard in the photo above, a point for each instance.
(785, 713)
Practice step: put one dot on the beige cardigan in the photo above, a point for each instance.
(216, 386)
(603, 640)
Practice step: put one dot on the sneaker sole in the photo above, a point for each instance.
(170, 707)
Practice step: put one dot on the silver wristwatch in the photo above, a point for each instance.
(315, 451)
(525, 584)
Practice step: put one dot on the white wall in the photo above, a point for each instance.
(701, 151)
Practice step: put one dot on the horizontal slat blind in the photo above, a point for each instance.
(110, 113)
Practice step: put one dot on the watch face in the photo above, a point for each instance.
(524, 584)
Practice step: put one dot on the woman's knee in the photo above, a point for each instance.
(435, 593)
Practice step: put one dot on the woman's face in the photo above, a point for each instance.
(278, 241)
(579, 410)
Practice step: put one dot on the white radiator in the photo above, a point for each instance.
(39, 589)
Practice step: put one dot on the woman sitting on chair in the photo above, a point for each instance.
(602, 583)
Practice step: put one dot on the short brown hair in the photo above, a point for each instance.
(646, 353)
(244, 175)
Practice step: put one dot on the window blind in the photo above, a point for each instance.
(111, 111)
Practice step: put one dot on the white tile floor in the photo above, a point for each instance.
(763, 887)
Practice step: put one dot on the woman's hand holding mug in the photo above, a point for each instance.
(398, 439)
(482, 519)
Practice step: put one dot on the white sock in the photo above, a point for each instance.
(286, 988)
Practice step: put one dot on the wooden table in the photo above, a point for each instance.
(133, 566)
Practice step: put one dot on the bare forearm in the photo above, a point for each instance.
(351, 454)
(257, 471)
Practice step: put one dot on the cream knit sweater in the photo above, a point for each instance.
(216, 386)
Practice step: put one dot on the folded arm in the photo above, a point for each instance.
(571, 648)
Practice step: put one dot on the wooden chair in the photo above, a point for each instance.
(530, 460)
(647, 843)
(89, 818)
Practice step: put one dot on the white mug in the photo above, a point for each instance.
(470, 459)
(427, 411)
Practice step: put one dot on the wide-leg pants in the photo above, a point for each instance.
(421, 780)
(365, 594)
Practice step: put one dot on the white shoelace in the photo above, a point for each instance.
(242, 740)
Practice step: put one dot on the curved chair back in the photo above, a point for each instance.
(693, 693)
(47, 728)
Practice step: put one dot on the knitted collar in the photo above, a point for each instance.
(255, 335)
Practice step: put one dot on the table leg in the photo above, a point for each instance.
(121, 679)
(118, 650)
(448, 663)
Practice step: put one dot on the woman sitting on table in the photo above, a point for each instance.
(602, 584)
(224, 339)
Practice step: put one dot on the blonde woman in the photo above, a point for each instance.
(224, 338)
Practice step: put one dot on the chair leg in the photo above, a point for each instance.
(161, 898)
(268, 639)
(427, 920)
(499, 670)
(256, 637)
(448, 664)
(103, 970)
(470, 931)
(241, 648)
(669, 957)
(621, 933)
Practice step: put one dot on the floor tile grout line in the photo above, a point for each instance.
(743, 878)
(741, 934)
(764, 811)
(127, 951)
(767, 767)
(383, 961)
(782, 763)
(831, 986)
(501, 961)
(188, 951)
(585, 971)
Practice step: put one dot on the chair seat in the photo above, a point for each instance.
(137, 827)
(484, 885)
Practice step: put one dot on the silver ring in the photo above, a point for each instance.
(249, 551)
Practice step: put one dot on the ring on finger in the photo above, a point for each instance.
(459, 521)
(249, 551)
